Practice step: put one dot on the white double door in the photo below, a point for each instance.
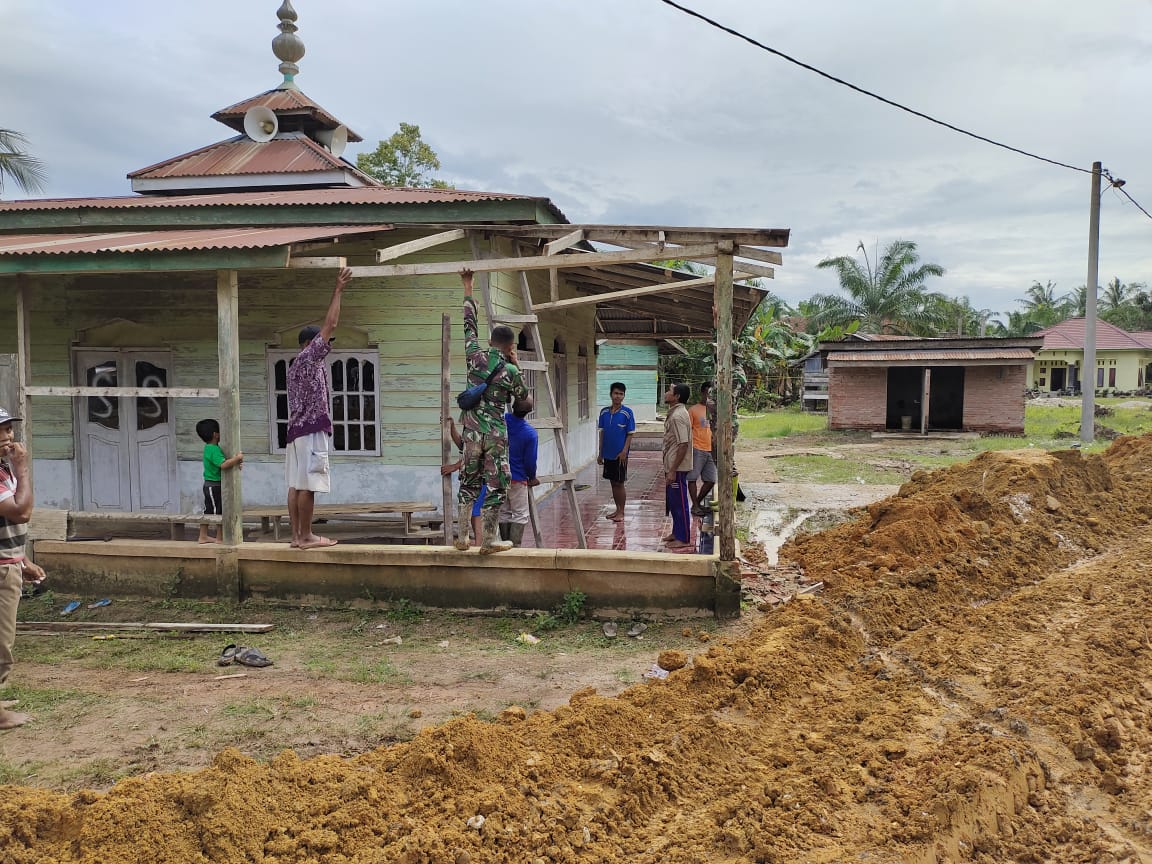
(127, 444)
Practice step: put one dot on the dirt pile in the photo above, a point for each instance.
(966, 534)
(957, 694)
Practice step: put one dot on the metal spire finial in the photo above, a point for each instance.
(288, 47)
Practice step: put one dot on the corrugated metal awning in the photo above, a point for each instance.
(951, 357)
(173, 239)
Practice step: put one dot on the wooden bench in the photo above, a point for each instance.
(375, 513)
(174, 521)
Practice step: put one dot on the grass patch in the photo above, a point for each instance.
(379, 670)
(97, 773)
(783, 423)
(384, 726)
(12, 774)
(36, 700)
(833, 469)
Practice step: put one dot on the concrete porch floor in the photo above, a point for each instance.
(644, 521)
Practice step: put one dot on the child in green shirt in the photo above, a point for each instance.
(214, 461)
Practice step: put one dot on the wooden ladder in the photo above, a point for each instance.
(530, 322)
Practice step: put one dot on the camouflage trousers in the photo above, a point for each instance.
(485, 461)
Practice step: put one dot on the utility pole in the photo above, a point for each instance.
(1088, 367)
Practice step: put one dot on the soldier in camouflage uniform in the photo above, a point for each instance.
(485, 431)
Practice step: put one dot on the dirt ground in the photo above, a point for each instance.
(972, 684)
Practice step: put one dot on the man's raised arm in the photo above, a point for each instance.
(333, 316)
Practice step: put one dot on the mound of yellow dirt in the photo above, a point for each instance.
(959, 693)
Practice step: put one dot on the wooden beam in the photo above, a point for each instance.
(724, 406)
(675, 345)
(532, 365)
(306, 263)
(774, 237)
(759, 255)
(537, 262)
(131, 392)
(608, 296)
(515, 319)
(23, 362)
(747, 270)
(561, 243)
(401, 249)
(446, 412)
(228, 350)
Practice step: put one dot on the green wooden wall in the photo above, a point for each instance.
(401, 316)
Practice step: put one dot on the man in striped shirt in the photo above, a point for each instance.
(15, 511)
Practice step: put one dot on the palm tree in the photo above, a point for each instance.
(1115, 295)
(891, 298)
(24, 169)
(1042, 306)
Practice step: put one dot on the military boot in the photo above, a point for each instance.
(463, 523)
(492, 541)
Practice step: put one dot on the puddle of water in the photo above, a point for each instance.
(770, 530)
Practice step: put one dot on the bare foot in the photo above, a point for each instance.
(668, 538)
(617, 517)
(218, 540)
(317, 542)
(205, 540)
(12, 719)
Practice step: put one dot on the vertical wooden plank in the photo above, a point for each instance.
(553, 285)
(925, 398)
(446, 453)
(483, 284)
(723, 299)
(23, 361)
(228, 348)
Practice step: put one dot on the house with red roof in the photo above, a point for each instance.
(1122, 358)
(137, 316)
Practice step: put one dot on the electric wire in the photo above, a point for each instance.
(732, 32)
(755, 42)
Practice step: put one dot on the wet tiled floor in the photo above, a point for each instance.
(644, 521)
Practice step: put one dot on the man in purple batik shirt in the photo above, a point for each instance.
(309, 426)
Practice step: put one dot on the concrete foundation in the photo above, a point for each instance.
(616, 583)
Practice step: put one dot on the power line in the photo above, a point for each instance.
(730, 31)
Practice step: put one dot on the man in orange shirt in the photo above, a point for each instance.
(703, 464)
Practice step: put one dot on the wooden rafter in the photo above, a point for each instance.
(401, 249)
(567, 241)
(536, 262)
(772, 237)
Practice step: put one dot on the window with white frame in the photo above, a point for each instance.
(353, 388)
(582, 383)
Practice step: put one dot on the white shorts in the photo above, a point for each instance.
(306, 463)
(515, 506)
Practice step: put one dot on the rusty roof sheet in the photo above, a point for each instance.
(1069, 335)
(952, 355)
(172, 240)
(282, 198)
(293, 153)
(281, 102)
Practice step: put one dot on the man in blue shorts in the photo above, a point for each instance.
(616, 427)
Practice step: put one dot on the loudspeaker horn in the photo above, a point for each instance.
(260, 123)
(334, 139)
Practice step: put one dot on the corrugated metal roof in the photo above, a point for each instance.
(287, 101)
(293, 153)
(1069, 336)
(316, 197)
(958, 355)
(173, 240)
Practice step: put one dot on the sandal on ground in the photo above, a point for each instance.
(252, 657)
(227, 655)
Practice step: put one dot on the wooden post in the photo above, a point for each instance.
(925, 399)
(228, 348)
(483, 284)
(23, 362)
(445, 409)
(724, 406)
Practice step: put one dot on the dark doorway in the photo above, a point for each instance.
(1059, 378)
(905, 388)
(946, 398)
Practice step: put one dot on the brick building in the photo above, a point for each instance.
(973, 385)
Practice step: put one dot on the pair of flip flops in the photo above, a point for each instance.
(243, 655)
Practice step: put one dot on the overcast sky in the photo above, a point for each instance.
(630, 111)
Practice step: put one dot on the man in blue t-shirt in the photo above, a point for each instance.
(616, 426)
(523, 447)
